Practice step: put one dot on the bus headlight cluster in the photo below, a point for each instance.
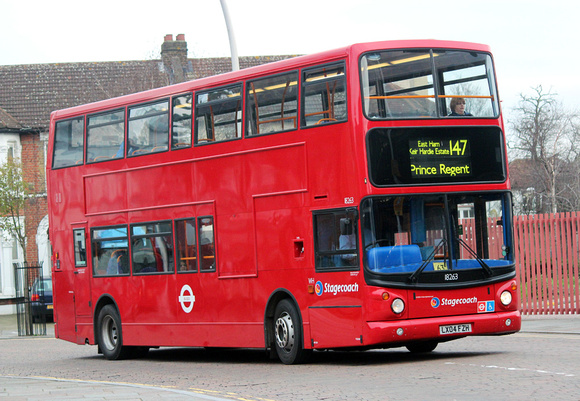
(506, 298)
(398, 306)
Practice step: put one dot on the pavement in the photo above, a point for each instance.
(16, 388)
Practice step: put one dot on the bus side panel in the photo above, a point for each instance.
(282, 232)
(198, 309)
(105, 193)
(221, 334)
(237, 242)
(346, 324)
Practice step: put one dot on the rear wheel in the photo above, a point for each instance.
(422, 347)
(110, 334)
(288, 334)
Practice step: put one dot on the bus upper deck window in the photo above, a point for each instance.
(68, 143)
(324, 95)
(398, 84)
(106, 136)
(272, 104)
(148, 128)
(467, 76)
(218, 114)
(181, 123)
(423, 83)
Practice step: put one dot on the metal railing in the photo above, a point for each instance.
(30, 299)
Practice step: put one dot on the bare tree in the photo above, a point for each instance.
(546, 135)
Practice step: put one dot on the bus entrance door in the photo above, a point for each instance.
(82, 286)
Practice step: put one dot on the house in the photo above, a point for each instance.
(29, 93)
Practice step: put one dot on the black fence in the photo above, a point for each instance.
(34, 299)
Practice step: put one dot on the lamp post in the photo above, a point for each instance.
(233, 48)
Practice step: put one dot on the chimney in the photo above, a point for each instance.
(174, 58)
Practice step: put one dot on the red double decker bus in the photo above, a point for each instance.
(327, 201)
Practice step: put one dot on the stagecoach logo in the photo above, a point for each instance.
(436, 302)
(334, 289)
(186, 298)
(318, 288)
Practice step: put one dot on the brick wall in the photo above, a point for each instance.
(33, 167)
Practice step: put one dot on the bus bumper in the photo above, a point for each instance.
(442, 328)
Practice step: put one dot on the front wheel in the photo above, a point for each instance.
(288, 334)
(110, 334)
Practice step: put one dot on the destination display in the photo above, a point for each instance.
(435, 155)
(430, 158)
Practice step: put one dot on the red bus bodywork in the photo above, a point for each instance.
(262, 192)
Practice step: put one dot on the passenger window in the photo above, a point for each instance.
(324, 95)
(110, 251)
(106, 136)
(186, 245)
(272, 104)
(69, 143)
(181, 121)
(218, 115)
(469, 77)
(206, 244)
(148, 129)
(398, 84)
(152, 248)
(80, 248)
(336, 244)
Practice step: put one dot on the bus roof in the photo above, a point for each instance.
(288, 64)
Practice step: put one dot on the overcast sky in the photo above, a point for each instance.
(534, 42)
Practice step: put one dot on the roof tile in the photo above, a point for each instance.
(29, 93)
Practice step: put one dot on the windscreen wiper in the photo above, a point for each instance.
(413, 277)
(484, 265)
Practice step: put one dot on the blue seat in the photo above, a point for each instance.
(390, 257)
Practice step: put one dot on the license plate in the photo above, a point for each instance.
(48, 306)
(455, 329)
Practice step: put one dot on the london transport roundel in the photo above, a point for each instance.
(186, 298)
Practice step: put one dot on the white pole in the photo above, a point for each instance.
(233, 48)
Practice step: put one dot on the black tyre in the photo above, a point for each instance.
(110, 334)
(288, 335)
(422, 347)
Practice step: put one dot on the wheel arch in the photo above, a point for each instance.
(275, 297)
(104, 299)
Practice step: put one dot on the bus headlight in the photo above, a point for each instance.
(506, 298)
(398, 306)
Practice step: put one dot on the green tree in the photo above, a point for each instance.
(13, 196)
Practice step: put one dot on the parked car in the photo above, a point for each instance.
(41, 300)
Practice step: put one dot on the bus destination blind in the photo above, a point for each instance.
(436, 158)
